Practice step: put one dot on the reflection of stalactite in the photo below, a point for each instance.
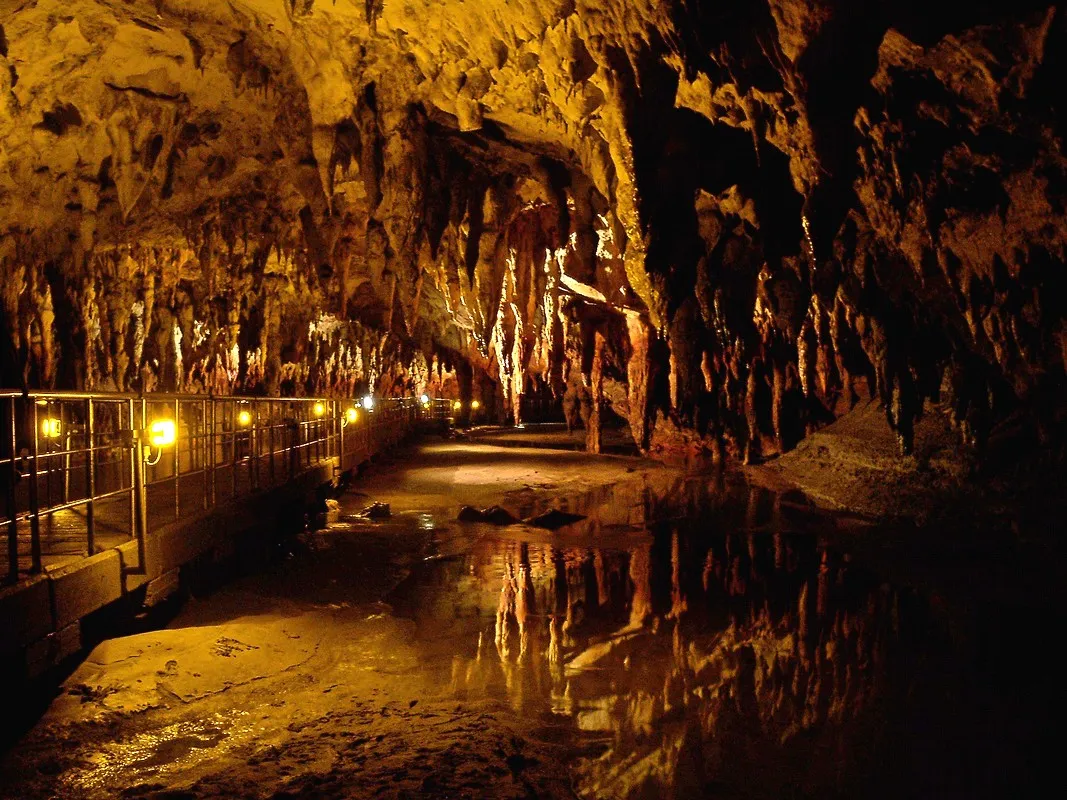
(603, 590)
(709, 570)
(822, 587)
(504, 614)
(524, 600)
(641, 576)
(770, 642)
(802, 612)
(555, 640)
(678, 599)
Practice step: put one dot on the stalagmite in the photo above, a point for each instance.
(594, 434)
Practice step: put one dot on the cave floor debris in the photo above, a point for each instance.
(694, 635)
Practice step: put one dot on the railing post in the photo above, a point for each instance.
(253, 449)
(12, 505)
(233, 448)
(133, 468)
(177, 461)
(270, 438)
(291, 434)
(206, 461)
(213, 440)
(65, 428)
(90, 477)
(46, 468)
(35, 510)
(140, 491)
(316, 453)
(142, 495)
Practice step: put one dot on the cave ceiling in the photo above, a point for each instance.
(728, 220)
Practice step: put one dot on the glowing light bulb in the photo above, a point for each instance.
(475, 405)
(51, 428)
(319, 409)
(162, 433)
(244, 418)
(425, 399)
(368, 402)
(457, 405)
(351, 414)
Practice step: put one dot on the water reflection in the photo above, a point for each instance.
(714, 652)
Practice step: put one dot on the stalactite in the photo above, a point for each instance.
(637, 373)
(730, 232)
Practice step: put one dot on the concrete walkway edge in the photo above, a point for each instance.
(41, 617)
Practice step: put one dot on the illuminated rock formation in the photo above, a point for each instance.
(720, 222)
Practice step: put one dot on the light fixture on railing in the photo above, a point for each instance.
(244, 418)
(161, 433)
(51, 428)
(425, 399)
(475, 405)
(368, 402)
(350, 417)
(456, 406)
(318, 409)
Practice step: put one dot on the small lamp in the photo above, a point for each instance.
(51, 428)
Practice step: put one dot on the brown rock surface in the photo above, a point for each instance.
(724, 222)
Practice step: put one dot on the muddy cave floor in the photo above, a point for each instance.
(698, 634)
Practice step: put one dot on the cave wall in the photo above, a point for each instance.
(724, 223)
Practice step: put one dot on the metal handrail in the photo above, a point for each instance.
(63, 451)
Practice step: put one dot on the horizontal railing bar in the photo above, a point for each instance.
(164, 397)
(23, 516)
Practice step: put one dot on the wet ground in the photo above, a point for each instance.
(696, 635)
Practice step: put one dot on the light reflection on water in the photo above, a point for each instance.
(155, 754)
(717, 652)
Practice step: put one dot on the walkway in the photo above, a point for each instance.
(73, 484)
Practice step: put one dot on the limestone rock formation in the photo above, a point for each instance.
(723, 222)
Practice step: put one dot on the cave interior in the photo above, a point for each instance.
(722, 225)
(821, 236)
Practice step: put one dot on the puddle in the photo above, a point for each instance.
(690, 637)
(721, 651)
(153, 755)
